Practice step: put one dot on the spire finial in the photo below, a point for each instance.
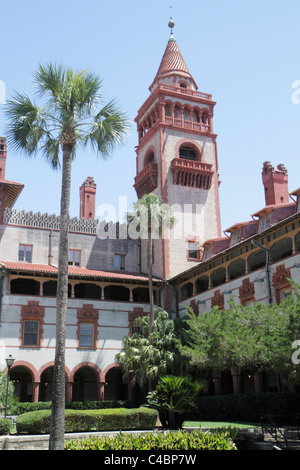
(171, 23)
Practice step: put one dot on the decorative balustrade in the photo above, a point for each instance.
(185, 91)
(146, 179)
(191, 173)
(101, 228)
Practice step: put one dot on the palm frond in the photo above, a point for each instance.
(109, 130)
(48, 80)
(27, 124)
(50, 151)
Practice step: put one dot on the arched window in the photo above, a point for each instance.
(281, 249)
(186, 114)
(196, 116)
(168, 111)
(149, 158)
(187, 153)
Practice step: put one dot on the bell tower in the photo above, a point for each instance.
(177, 160)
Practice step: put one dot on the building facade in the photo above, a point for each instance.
(176, 158)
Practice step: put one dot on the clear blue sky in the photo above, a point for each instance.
(246, 53)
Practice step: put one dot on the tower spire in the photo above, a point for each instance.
(171, 23)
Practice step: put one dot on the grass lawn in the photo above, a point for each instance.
(219, 424)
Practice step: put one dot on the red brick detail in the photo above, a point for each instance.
(87, 194)
(195, 306)
(218, 300)
(146, 179)
(137, 312)
(275, 182)
(3, 155)
(87, 314)
(192, 173)
(280, 280)
(247, 291)
(33, 311)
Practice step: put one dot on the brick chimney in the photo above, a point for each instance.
(87, 195)
(275, 183)
(3, 155)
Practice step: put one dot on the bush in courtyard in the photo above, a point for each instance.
(249, 407)
(38, 422)
(25, 407)
(173, 398)
(179, 440)
(5, 426)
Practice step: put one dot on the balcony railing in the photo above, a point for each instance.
(146, 179)
(191, 173)
(185, 91)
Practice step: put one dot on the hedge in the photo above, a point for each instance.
(179, 440)
(5, 426)
(249, 407)
(25, 407)
(38, 422)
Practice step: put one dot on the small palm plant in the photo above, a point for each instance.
(173, 398)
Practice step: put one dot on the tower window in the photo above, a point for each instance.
(168, 111)
(187, 153)
(149, 158)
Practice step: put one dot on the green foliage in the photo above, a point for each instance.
(256, 338)
(25, 407)
(151, 216)
(38, 422)
(146, 357)
(249, 407)
(195, 440)
(173, 397)
(5, 426)
(12, 399)
(69, 112)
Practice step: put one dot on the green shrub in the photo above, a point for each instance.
(25, 407)
(249, 407)
(179, 440)
(5, 426)
(38, 422)
(173, 398)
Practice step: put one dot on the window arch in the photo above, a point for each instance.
(168, 111)
(281, 249)
(187, 152)
(150, 158)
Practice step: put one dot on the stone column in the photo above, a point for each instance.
(69, 391)
(236, 380)
(35, 391)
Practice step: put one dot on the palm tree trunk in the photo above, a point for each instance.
(57, 427)
(149, 261)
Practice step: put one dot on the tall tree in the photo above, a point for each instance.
(258, 337)
(146, 356)
(153, 219)
(71, 114)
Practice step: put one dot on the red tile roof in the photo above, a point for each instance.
(172, 61)
(74, 271)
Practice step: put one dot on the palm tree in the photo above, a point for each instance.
(146, 356)
(71, 115)
(153, 217)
